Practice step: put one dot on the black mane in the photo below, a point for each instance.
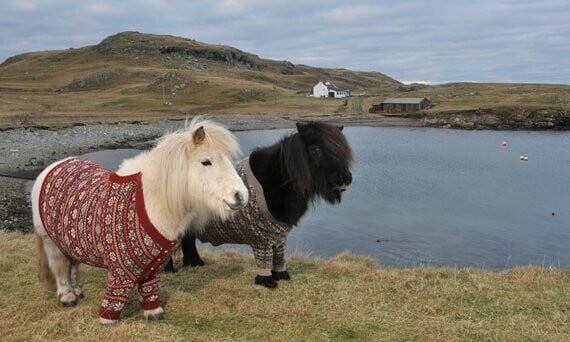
(292, 177)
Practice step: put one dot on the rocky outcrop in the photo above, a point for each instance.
(147, 45)
(97, 80)
(170, 82)
(501, 119)
(288, 68)
(129, 43)
(233, 57)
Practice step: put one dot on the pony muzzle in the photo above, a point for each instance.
(240, 200)
(345, 182)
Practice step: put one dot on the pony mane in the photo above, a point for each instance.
(296, 159)
(172, 157)
(218, 137)
(335, 142)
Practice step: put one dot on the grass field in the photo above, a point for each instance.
(348, 297)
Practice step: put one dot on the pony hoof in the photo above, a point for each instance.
(170, 269)
(193, 262)
(106, 321)
(68, 300)
(154, 315)
(266, 281)
(198, 263)
(69, 304)
(280, 275)
(157, 317)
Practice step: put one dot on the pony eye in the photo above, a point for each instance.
(315, 151)
(206, 162)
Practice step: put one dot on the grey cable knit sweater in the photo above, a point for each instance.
(253, 225)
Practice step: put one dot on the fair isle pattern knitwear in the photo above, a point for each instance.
(98, 217)
(253, 225)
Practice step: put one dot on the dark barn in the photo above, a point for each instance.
(400, 105)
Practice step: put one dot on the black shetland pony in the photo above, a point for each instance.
(283, 179)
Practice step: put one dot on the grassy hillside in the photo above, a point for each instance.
(346, 297)
(144, 76)
(135, 76)
(495, 106)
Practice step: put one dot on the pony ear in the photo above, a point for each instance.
(304, 128)
(199, 136)
(340, 128)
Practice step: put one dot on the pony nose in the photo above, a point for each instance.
(348, 178)
(239, 197)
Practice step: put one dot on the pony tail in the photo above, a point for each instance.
(44, 273)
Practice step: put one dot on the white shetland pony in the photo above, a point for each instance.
(131, 221)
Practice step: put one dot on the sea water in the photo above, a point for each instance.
(437, 197)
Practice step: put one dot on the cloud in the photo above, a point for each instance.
(103, 9)
(354, 14)
(487, 40)
(231, 6)
(24, 6)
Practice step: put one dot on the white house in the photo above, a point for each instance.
(328, 89)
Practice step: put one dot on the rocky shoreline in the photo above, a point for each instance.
(512, 119)
(24, 152)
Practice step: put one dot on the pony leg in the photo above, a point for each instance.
(169, 267)
(264, 260)
(150, 299)
(73, 277)
(60, 266)
(191, 255)
(279, 271)
(114, 299)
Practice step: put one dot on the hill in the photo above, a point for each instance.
(348, 297)
(139, 76)
(132, 76)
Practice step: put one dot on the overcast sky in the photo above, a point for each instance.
(417, 40)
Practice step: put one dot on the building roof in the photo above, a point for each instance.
(404, 100)
(331, 86)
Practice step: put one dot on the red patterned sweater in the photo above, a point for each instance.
(98, 217)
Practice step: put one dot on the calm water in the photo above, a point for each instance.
(434, 197)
